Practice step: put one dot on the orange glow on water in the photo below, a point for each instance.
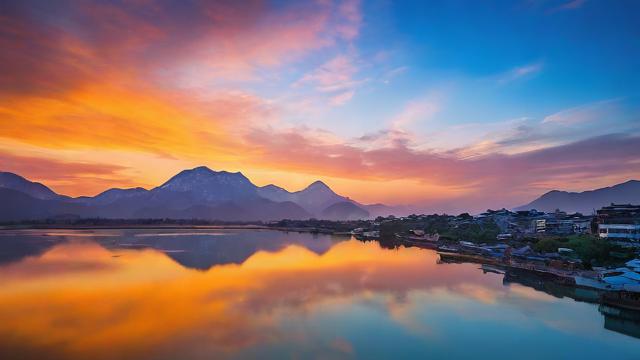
(80, 296)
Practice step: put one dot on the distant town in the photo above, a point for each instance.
(597, 252)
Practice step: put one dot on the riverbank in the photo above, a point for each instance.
(590, 280)
(312, 230)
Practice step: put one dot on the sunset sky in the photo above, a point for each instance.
(442, 104)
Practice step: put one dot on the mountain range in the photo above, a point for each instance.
(198, 193)
(586, 202)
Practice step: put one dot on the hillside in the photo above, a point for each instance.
(587, 201)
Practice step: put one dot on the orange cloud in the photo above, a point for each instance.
(72, 178)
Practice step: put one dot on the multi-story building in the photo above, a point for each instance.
(619, 222)
(555, 226)
(560, 223)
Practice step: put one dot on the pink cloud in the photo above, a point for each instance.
(505, 179)
(342, 98)
(336, 77)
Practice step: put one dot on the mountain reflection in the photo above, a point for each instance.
(195, 249)
(17, 246)
(202, 250)
(316, 298)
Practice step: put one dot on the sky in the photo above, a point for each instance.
(445, 105)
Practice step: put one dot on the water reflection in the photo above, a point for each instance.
(17, 247)
(193, 248)
(302, 296)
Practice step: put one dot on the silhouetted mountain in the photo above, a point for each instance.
(344, 211)
(209, 186)
(16, 206)
(315, 198)
(112, 195)
(275, 193)
(34, 189)
(376, 210)
(587, 201)
(198, 193)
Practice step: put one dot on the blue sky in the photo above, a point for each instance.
(496, 62)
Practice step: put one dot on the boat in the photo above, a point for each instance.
(448, 248)
(491, 269)
(419, 236)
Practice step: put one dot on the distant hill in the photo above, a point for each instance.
(376, 210)
(318, 196)
(344, 211)
(34, 189)
(16, 206)
(314, 198)
(198, 193)
(587, 201)
(112, 195)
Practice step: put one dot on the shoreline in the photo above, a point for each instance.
(116, 227)
(172, 227)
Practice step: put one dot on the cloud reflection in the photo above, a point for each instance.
(79, 301)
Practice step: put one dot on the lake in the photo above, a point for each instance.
(257, 294)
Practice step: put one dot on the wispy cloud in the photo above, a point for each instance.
(520, 72)
(388, 76)
(342, 98)
(598, 111)
(336, 77)
(419, 109)
(569, 5)
(618, 115)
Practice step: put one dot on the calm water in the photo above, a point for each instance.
(187, 294)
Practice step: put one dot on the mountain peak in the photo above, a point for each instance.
(209, 186)
(201, 173)
(123, 190)
(201, 169)
(272, 187)
(35, 189)
(205, 170)
(630, 182)
(318, 185)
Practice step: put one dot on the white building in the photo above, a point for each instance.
(626, 232)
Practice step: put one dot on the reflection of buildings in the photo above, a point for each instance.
(624, 321)
(616, 319)
(550, 287)
(620, 320)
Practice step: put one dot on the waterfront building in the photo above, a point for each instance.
(619, 222)
(566, 226)
(622, 232)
